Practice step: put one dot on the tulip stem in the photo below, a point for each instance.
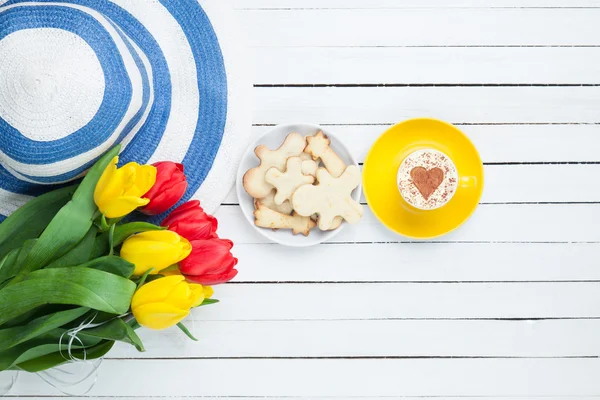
(101, 222)
(185, 330)
(111, 234)
(144, 277)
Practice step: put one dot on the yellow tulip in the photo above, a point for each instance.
(119, 190)
(167, 301)
(155, 249)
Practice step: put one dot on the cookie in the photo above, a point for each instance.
(269, 202)
(267, 218)
(318, 147)
(306, 156)
(330, 198)
(287, 182)
(254, 179)
(337, 221)
(310, 167)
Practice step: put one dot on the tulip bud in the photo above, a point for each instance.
(190, 221)
(119, 191)
(210, 262)
(165, 302)
(155, 249)
(169, 188)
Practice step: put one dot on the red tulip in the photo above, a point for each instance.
(190, 221)
(169, 188)
(210, 262)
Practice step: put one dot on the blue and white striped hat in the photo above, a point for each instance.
(78, 76)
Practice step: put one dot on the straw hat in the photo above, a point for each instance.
(78, 76)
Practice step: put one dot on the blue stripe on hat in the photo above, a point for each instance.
(212, 86)
(144, 143)
(117, 93)
(134, 121)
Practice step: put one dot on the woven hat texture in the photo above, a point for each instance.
(166, 79)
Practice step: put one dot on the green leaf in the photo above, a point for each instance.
(78, 254)
(185, 330)
(37, 312)
(14, 260)
(115, 329)
(24, 318)
(112, 264)
(27, 246)
(10, 337)
(84, 287)
(9, 266)
(30, 220)
(208, 302)
(122, 232)
(41, 346)
(70, 224)
(134, 324)
(55, 359)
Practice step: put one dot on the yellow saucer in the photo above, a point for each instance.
(381, 169)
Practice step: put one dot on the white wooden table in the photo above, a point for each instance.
(506, 307)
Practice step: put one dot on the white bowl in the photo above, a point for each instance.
(273, 139)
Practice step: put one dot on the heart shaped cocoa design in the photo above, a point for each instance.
(427, 180)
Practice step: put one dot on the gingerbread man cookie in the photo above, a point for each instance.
(287, 182)
(337, 221)
(318, 147)
(267, 218)
(306, 156)
(330, 198)
(309, 167)
(269, 202)
(254, 179)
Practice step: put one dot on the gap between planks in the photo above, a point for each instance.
(293, 5)
(427, 85)
(355, 358)
(296, 397)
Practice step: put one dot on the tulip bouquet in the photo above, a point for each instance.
(78, 273)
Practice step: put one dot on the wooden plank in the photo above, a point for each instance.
(375, 105)
(387, 4)
(330, 397)
(426, 65)
(341, 378)
(495, 143)
(490, 223)
(358, 301)
(420, 262)
(433, 338)
(308, 27)
(530, 184)
(541, 183)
